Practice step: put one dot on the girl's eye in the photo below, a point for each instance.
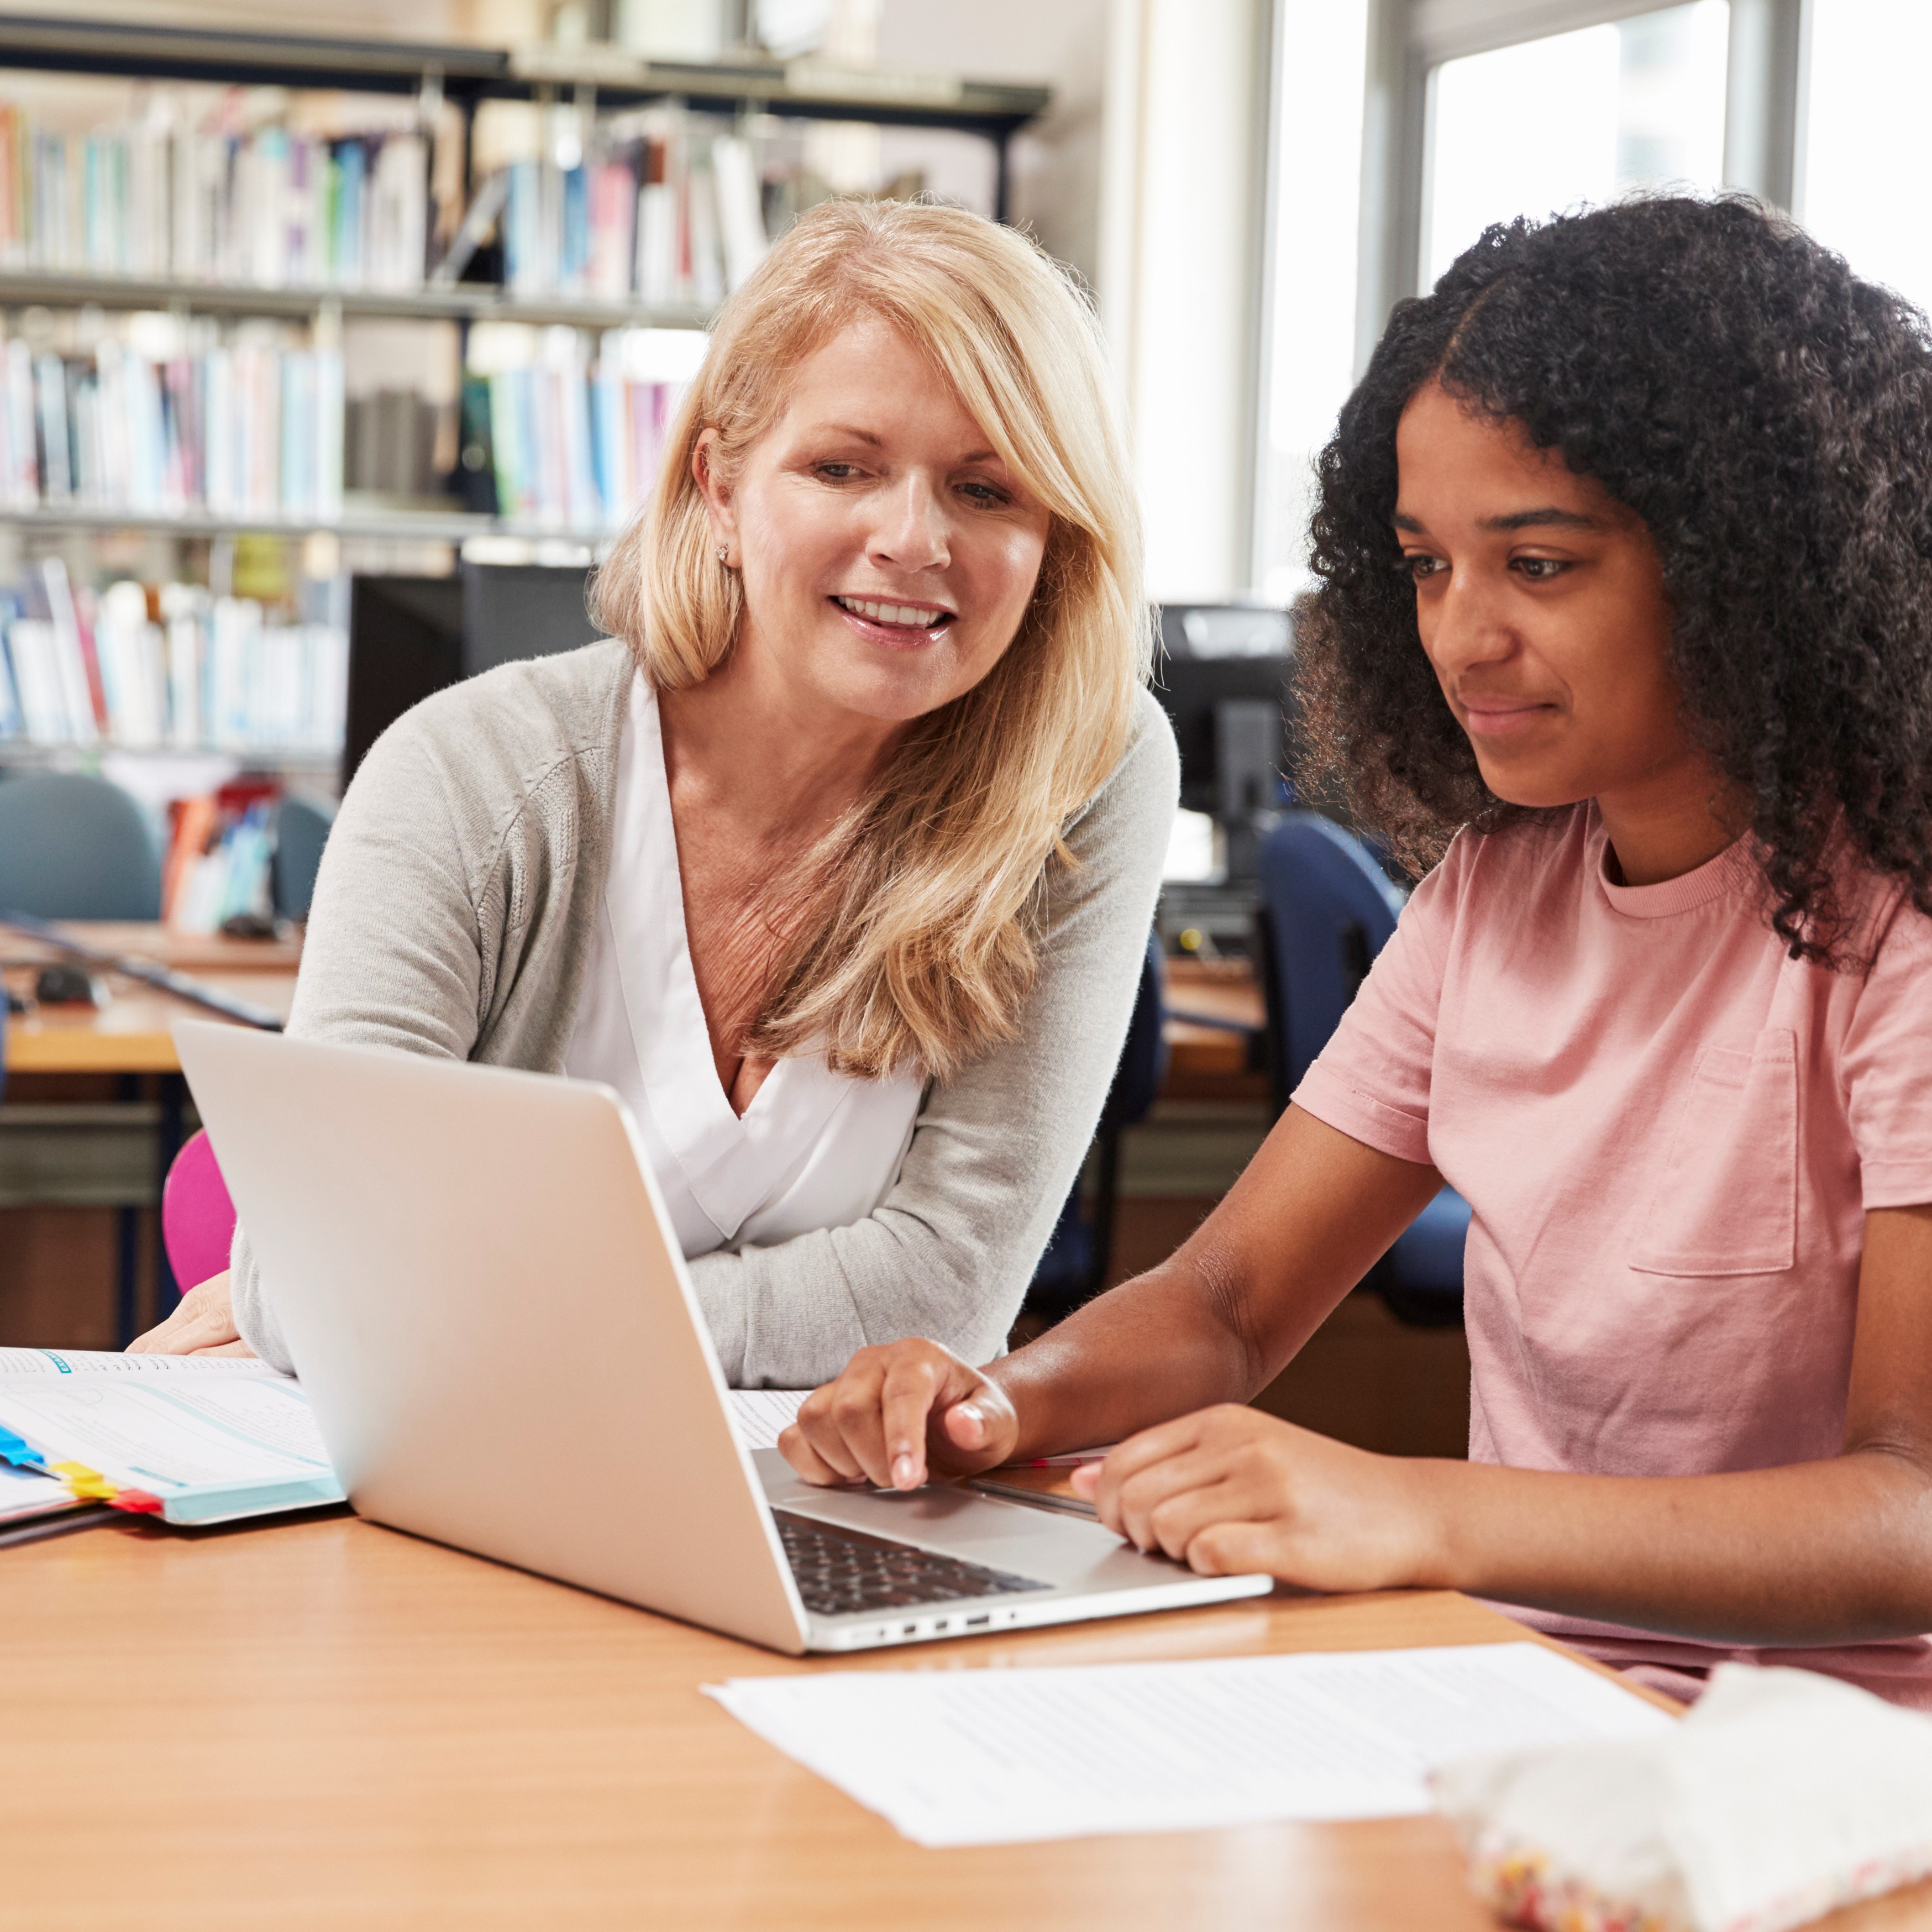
(983, 492)
(1419, 566)
(1541, 569)
(838, 472)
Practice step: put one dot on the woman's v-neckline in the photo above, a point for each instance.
(730, 1161)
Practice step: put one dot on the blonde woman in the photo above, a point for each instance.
(837, 864)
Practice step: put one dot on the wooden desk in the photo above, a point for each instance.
(130, 1034)
(323, 1723)
(1223, 989)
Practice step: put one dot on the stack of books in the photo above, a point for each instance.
(247, 424)
(170, 667)
(662, 209)
(574, 429)
(170, 196)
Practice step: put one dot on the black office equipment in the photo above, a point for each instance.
(1222, 679)
(410, 636)
(405, 641)
(522, 610)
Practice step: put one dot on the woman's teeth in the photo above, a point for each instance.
(911, 616)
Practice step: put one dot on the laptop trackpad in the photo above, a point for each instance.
(958, 1521)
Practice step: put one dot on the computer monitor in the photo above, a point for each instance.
(1222, 679)
(410, 636)
(405, 641)
(515, 610)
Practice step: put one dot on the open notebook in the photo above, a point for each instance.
(190, 1438)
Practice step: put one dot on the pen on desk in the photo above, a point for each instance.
(37, 1529)
(1017, 1492)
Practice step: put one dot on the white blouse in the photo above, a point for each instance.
(814, 1149)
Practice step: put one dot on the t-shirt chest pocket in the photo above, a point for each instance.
(1726, 1200)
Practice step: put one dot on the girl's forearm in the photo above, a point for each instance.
(1831, 1552)
(1151, 1348)
(1220, 1317)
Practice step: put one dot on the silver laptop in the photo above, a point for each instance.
(494, 1327)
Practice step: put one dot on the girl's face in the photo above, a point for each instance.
(889, 556)
(1540, 602)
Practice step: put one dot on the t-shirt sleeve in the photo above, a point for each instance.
(1887, 1068)
(1371, 1080)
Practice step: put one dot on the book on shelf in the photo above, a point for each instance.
(173, 668)
(571, 431)
(660, 207)
(161, 416)
(220, 852)
(172, 195)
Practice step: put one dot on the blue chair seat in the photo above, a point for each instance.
(1074, 1267)
(73, 847)
(1327, 909)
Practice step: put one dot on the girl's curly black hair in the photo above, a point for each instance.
(1768, 416)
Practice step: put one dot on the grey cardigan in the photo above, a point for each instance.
(452, 916)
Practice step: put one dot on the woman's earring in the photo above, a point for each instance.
(723, 556)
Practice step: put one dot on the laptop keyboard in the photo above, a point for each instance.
(841, 1571)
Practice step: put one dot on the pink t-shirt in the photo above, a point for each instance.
(1669, 1133)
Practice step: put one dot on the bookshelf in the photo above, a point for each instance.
(157, 356)
(467, 75)
(373, 524)
(459, 301)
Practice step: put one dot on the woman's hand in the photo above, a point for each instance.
(896, 1412)
(1229, 1491)
(203, 1324)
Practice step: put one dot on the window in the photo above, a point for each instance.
(1584, 116)
(1463, 113)
(1861, 185)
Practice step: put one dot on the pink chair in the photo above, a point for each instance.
(197, 1217)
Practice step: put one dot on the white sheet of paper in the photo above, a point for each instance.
(761, 1415)
(984, 1757)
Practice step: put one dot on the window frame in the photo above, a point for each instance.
(1409, 39)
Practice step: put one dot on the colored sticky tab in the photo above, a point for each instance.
(16, 1450)
(137, 1502)
(90, 1485)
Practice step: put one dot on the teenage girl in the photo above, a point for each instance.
(1624, 552)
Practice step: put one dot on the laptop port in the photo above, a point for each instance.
(910, 1630)
(984, 1617)
(940, 1625)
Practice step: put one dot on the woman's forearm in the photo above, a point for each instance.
(1831, 1552)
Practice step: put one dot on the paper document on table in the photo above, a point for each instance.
(94, 1362)
(196, 1439)
(760, 1416)
(985, 1757)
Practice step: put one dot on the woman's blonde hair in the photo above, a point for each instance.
(918, 944)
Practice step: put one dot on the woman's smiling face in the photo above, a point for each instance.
(888, 555)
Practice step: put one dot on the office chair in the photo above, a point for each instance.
(73, 847)
(1074, 1267)
(301, 831)
(1327, 910)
